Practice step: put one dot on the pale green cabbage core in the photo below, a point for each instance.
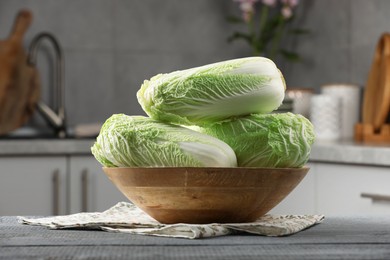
(137, 141)
(213, 92)
(273, 140)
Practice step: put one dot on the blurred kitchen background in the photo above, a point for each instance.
(111, 46)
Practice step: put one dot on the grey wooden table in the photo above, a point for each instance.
(336, 238)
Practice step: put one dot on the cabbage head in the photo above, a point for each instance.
(137, 141)
(266, 140)
(213, 92)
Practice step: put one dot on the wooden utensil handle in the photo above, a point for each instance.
(376, 102)
(21, 24)
(386, 44)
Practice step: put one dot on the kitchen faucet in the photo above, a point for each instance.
(55, 118)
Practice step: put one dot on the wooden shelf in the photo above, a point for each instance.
(366, 133)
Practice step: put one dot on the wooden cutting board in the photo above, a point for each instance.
(19, 82)
(376, 103)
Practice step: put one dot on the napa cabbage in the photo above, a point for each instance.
(138, 141)
(213, 92)
(266, 140)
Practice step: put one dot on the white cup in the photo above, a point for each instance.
(325, 116)
(301, 100)
(349, 107)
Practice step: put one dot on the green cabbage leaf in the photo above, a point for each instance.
(137, 141)
(213, 92)
(266, 140)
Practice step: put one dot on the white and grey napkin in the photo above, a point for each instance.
(126, 218)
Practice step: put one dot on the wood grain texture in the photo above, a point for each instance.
(19, 82)
(205, 195)
(376, 102)
(366, 133)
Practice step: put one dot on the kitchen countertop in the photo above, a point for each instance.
(338, 237)
(333, 152)
(45, 146)
(350, 152)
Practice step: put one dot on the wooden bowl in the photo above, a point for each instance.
(205, 195)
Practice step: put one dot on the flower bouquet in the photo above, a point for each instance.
(266, 23)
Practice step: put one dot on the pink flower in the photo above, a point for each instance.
(269, 2)
(247, 8)
(290, 3)
(286, 12)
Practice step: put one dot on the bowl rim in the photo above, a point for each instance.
(210, 168)
(193, 167)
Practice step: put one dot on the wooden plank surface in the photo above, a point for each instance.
(335, 238)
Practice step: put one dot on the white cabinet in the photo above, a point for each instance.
(33, 185)
(340, 188)
(63, 184)
(90, 189)
(54, 185)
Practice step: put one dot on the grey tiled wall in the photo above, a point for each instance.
(111, 46)
(341, 45)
